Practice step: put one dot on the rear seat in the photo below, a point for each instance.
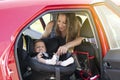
(89, 51)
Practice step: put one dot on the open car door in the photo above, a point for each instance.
(112, 64)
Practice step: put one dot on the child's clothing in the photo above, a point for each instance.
(55, 60)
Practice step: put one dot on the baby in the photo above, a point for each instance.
(40, 48)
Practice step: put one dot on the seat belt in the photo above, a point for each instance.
(57, 73)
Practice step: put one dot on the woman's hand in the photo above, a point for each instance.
(62, 50)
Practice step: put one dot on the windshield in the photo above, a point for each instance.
(111, 25)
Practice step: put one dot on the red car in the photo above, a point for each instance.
(25, 20)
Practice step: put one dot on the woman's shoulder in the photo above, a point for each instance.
(49, 29)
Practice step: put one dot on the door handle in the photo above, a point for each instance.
(107, 65)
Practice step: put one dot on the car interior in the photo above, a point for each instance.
(87, 56)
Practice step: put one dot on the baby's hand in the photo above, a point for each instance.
(39, 55)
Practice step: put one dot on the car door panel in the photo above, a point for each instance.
(112, 64)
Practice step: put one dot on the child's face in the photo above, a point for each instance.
(40, 47)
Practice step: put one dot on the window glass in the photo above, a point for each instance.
(111, 25)
(37, 26)
(47, 18)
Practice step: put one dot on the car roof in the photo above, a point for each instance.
(22, 3)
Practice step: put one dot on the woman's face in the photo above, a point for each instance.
(62, 22)
(40, 47)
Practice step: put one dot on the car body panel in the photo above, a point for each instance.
(112, 64)
(19, 13)
(101, 33)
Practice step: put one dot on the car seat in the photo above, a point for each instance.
(21, 57)
(42, 71)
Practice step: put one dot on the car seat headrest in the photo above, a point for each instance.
(86, 30)
(29, 44)
(79, 18)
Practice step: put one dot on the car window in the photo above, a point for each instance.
(111, 25)
(37, 25)
(47, 18)
(36, 28)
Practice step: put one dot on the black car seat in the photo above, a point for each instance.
(40, 70)
(21, 56)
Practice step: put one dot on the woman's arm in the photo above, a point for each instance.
(63, 49)
(48, 29)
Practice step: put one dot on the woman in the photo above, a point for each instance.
(68, 27)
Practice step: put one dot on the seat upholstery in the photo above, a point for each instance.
(86, 30)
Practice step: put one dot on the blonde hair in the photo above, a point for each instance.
(58, 32)
(73, 27)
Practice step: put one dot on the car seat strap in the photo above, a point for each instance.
(57, 72)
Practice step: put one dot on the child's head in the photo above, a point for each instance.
(39, 46)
